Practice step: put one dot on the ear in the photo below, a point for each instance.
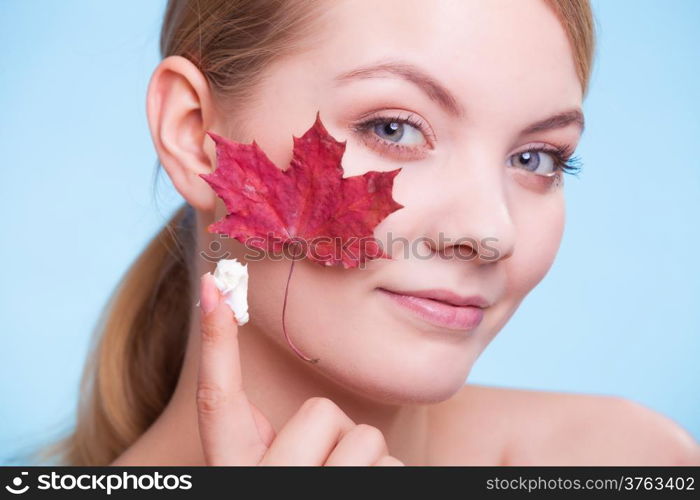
(180, 110)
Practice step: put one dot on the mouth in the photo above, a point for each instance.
(441, 307)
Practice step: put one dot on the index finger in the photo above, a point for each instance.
(227, 426)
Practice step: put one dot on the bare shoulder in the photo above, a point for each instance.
(529, 427)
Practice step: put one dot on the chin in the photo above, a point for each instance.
(393, 380)
(429, 390)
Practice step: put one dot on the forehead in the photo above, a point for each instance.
(490, 54)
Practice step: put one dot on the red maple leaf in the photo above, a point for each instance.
(309, 204)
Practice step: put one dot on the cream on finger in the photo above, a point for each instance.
(231, 278)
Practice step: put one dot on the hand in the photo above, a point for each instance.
(235, 432)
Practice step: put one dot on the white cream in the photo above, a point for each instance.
(231, 278)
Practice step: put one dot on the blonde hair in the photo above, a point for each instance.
(139, 343)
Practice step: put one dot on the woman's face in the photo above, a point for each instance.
(454, 107)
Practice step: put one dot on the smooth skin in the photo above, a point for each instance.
(384, 371)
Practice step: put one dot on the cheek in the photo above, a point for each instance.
(321, 304)
(540, 225)
(333, 315)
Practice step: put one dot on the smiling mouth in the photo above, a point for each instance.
(442, 308)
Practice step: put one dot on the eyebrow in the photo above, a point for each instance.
(560, 120)
(439, 94)
(435, 91)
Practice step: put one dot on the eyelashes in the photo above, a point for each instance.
(562, 155)
(564, 160)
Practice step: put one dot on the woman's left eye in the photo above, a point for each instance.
(539, 162)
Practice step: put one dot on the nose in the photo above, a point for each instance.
(471, 219)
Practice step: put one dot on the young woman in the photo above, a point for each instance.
(479, 105)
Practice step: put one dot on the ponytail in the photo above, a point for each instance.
(137, 350)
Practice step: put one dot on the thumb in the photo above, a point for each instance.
(265, 430)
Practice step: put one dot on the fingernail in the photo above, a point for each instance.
(209, 294)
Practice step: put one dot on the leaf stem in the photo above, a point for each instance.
(284, 328)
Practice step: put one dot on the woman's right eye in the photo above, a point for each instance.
(395, 131)
(405, 136)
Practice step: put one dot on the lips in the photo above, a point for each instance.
(446, 296)
(441, 307)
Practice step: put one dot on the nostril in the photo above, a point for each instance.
(421, 248)
(466, 250)
(462, 249)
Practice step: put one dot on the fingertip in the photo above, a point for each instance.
(208, 294)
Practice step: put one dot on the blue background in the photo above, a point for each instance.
(618, 313)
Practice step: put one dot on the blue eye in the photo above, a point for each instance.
(395, 131)
(538, 162)
(546, 162)
(400, 137)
